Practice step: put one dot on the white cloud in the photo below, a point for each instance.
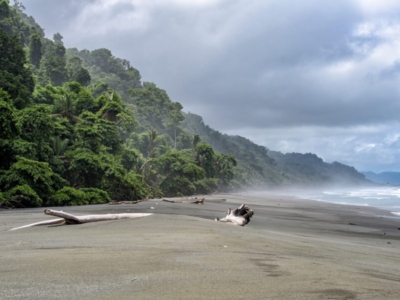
(374, 7)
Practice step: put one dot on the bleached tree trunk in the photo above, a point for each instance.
(239, 216)
(72, 219)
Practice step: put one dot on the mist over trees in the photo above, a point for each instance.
(80, 127)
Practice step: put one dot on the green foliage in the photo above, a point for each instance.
(102, 66)
(184, 141)
(22, 196)
(85, 168)
(84, 101)
(88, 133)
(3, 200)
(37, 127)
(35, 50)
(65, 108)
(59, 145)
(206, 185)
(69, 196)
(156, 111)
(76, 71)
(178, 171)
(96, 196)
(98, 88)
(131, 159)
(38, 175)
(10, 129)
(204, 155)
(128, 187)
(15, 78)
(53, 64)
(48, 94)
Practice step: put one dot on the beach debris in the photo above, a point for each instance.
(192, 201)
(239, 216)
(127, 202)
(353, 224)
(66, 218)
(124, 202)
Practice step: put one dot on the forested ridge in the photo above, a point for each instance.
(80, 127)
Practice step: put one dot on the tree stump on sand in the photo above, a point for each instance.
(239, 216)
(71, 219)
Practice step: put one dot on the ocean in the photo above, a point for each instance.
(386, 198)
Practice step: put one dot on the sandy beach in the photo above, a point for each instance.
(291, 249)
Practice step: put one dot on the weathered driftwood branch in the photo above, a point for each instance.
(201, 201)
(71, 219)
(239, 216)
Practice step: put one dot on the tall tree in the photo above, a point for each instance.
(54, 63)
(35, 50)
(15, 78)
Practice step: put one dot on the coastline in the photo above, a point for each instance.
(291, 249)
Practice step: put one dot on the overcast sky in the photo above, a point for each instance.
(294, 76)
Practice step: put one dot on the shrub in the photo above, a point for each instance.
(96, 196)
(22, 196)
(69, 196)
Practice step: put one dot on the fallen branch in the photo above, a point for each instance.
(239, 216)
(71, 219)
(124, 202)
(201, 201)
(127, 202)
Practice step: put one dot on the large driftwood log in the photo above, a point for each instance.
(201, 201)
(72, 219)
(239, 216)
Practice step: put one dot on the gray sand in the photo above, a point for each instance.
(291, 249)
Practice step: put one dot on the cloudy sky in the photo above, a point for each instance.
(294, 76)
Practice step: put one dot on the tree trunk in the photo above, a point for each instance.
(239, 216)
(71, 219)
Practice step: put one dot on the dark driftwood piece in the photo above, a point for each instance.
(127, 202)
(239, 216)
(72, 219)
(201, 201)
(124, 202)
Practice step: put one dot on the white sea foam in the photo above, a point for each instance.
(386, 198)
(396, 213)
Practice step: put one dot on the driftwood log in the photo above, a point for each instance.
(66, 218)
(194, 201)
(127, 202)
(124, 202)
(239, 216)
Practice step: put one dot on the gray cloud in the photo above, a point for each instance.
(301, 74)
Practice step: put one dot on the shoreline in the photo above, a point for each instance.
(291, 249)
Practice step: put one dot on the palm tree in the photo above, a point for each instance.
(59, 146)
(66, 109)
(196, 140)
(152, 137)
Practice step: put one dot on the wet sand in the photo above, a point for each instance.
(291, 249)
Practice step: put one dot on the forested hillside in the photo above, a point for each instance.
(80, 127)
(392, 178)
(271, 168)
